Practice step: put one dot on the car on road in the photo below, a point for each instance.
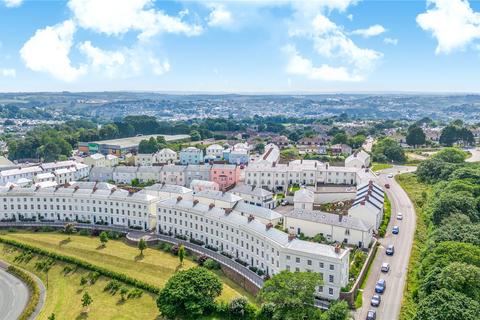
(387, 186)
(371, 315)
(380, 286)
(376, 299)
(399, 216)
(395, 229)
(390, 175)
(385, 267)
(390, 250)
(284, 202)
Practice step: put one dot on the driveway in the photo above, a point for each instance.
(475, 155)
(389, 308)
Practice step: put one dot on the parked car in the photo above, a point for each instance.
(399, 216)
(376, 299)
(380, 286)
(396, 230)
(284, 202)
(385, 267)
(390, 250)
(387, 186)
(390, 175)
(371, 315)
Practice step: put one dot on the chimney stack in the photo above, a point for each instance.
(228, 211)
(291, 236)
(269, 226)
(195, 202)
(337, 248)
(250, 218)
(179, 198)
(211, 206)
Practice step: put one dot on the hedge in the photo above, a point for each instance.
(85, 265)
(32, 285)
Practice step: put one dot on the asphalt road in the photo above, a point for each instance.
(475, 155)
(13, 296)
(389, 308)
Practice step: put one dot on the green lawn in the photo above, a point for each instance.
(64, 294)
(156, 266)
(418, 192)
(376, 166)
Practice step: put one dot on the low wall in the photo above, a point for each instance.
(350, 295)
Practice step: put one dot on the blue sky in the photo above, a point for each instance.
(240, 46)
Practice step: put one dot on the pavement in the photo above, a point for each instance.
(14, 296)
(475, 155)
(389, 308)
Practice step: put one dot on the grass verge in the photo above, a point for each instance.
(417, 192)
(386, 217)
(377, 166)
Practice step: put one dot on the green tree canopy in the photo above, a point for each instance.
(415, 136)
(451, 155)
(447, 252)
(450, 203)
(448, 305)
(387, 150)
(292, 293)
(457, 227)
(189, 294)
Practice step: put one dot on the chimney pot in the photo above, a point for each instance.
(291, 236)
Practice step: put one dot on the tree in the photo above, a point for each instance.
(195, 136)
(103, 238)
(447, 305)
(457, 227)
(181, 253)
(240, 308)
(189, 294)
(451, 155)
(340, 138)
(69, 228)
(294, 136)
(142, 245)
(415, 136)
(433, 170)
(337, 311)
(356, 141)
(292, 293)
(445, 253)
(448, 136)
(260, 147)
(451, 203)
(123, 293)
(86, 300)
(461, 277)
(148, 146)
(387, 149)
(51, 316)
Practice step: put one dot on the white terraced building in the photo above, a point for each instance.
(278, 177)
(254, 243)
(83, 201)
(13, 175)
(368, 204)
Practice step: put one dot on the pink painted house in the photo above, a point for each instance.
(226, 175)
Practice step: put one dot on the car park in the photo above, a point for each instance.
(399, 216)
(376, 299)
(380, 286)
(371, 315)
(390, 250)
(395, 229)
(385, 267)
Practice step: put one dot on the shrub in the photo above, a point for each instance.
(240, 308)
(211, 264)
(112, 287)
(84, 232)
(201, 259)
(174, 250)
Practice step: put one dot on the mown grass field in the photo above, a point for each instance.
(376, 166)
(64, 294)
(417, 192)
(155, 267)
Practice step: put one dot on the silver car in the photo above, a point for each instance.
(385, 267)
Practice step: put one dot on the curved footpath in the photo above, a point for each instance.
(389, 308)
(14, 294)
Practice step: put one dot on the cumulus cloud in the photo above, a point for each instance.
(8, 73)
(342, 59)
(299, 65)
(48, 51)
(371, 31)
(12, 3)
(453, 23)
(219, 16)
(123, 63)
(391, 41)
(115, 17)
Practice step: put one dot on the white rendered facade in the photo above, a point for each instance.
(251, 241)
(85, 202)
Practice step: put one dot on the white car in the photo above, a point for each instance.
(390, 175)
(385, 267)
(399, 216)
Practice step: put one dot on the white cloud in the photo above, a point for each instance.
(350, 17)
(8, 73)
(453, 23)
(333, 47)
(219, 16)
(371, 31)
(299, 65)
(123, 63)
(48, 51)
(115, 17)
(12, 3)
(391, 41)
